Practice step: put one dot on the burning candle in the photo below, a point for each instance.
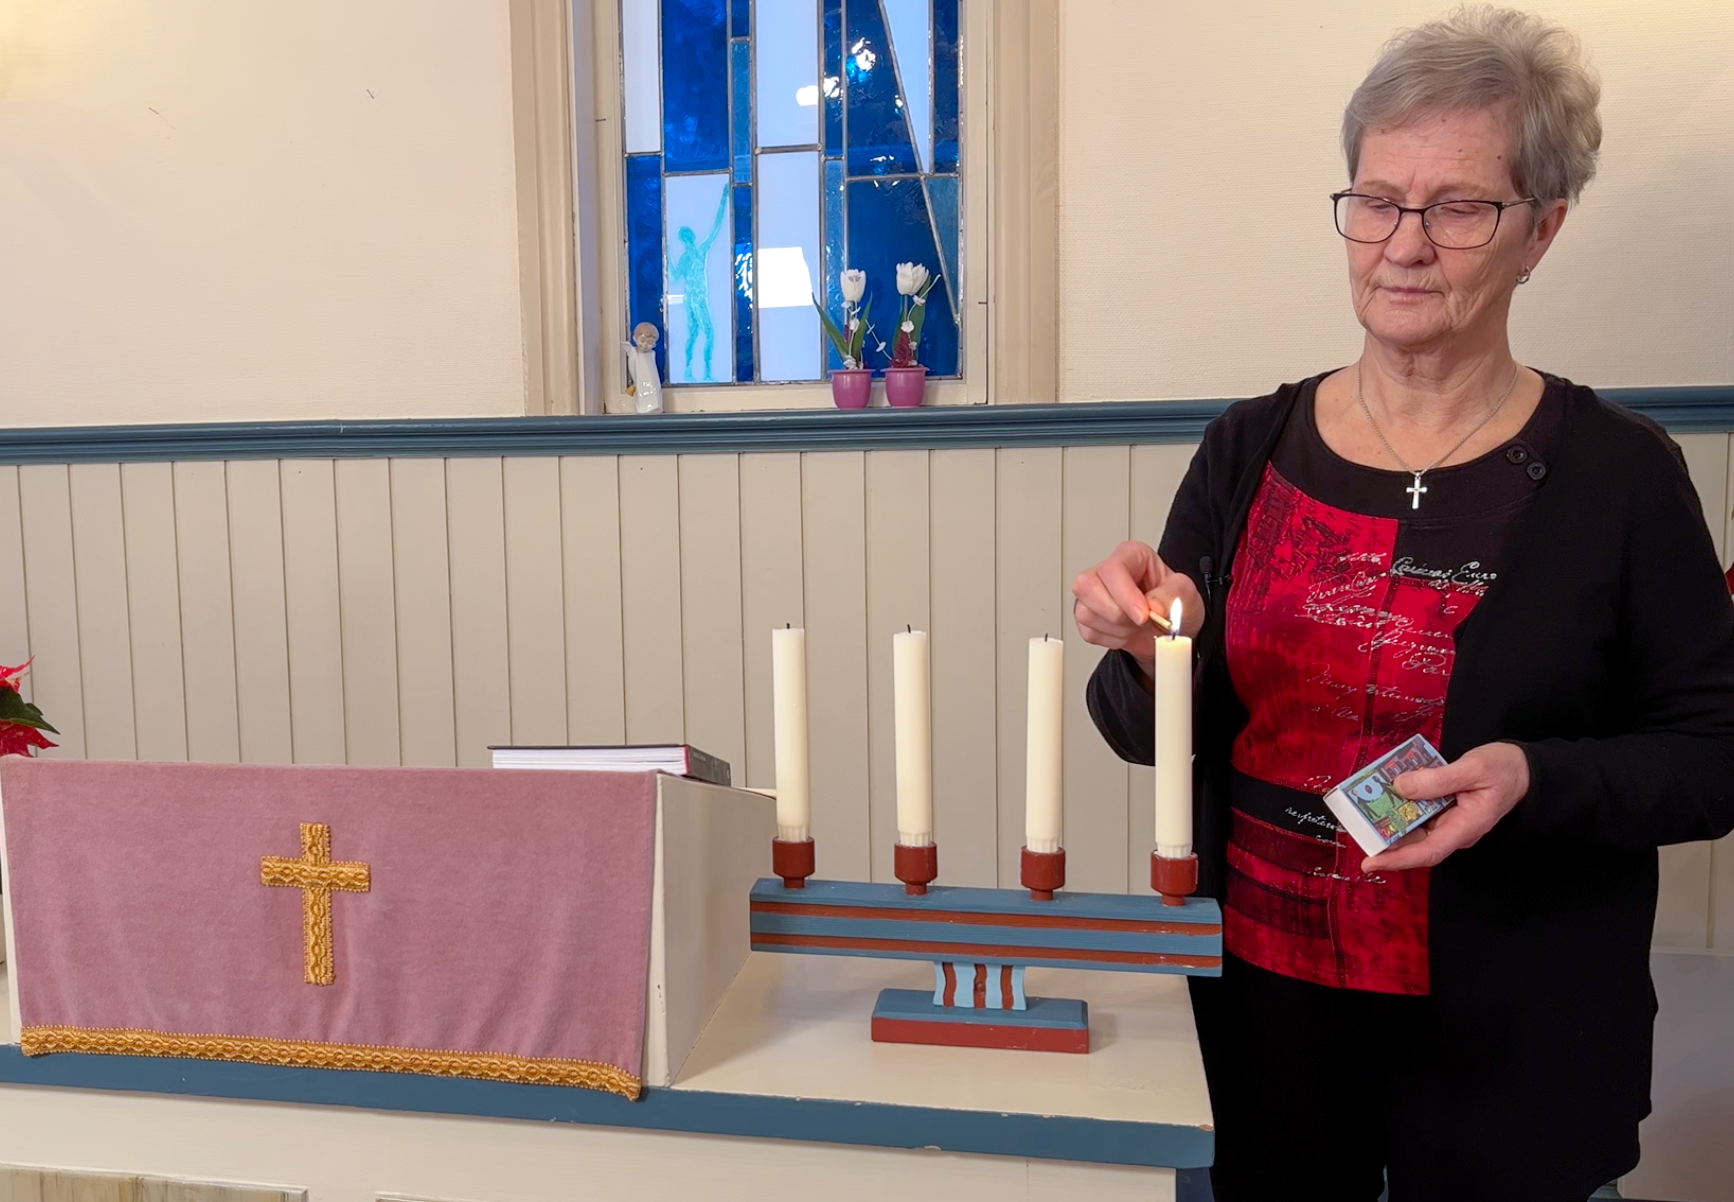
(914, 739)
(1173, 697)
(1044, 761)
(789, 713)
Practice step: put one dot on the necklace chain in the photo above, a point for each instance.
(1416, 489)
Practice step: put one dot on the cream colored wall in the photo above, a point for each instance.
(1198, 144)
(220, 212)
(413, 611)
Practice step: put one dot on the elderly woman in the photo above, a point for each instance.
(1437, 540)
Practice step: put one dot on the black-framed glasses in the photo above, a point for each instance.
(1449, 224)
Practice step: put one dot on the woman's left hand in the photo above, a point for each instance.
(1489, 781)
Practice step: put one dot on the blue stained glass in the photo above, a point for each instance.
(878, 132)
(832, 83)
(700, 279)
(888, 225)
(909, 22)
(946, 95)
(787, 265)
(695, 85)
(741, 67)
(743, 282)
(740, 18)
(942, 203)
(834, 261)
(644, 248)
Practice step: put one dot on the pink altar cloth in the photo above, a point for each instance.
(504, 931)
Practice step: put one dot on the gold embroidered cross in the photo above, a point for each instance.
(316, 874)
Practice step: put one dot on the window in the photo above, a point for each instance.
(768, 144)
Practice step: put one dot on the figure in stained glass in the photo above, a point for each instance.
(688, 273)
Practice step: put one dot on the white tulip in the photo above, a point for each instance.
(911, 278)
(854, 283)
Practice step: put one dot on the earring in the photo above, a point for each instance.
(1523, 276)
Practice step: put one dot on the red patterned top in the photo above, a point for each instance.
(1341, 623)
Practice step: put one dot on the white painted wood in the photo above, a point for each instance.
(313, 608)
(535, 601)
(104, 640)
(794, 1026)
(1707, 462)
(154, 608)
(1028, 602)
(1686, 1149)
(1156, 475)
(898, 593)
(481, 685)
(771, 593)
(360, 1156)
(207, 612)
(367, 612)
(711, 845)
(1683, 898)
(14, 621)
(1095, 509)
(965, 650)
(261, 612)
(712, 666)
(421, 570)
(590, 540)
(650, 598)
(833, 556)
(51, 600)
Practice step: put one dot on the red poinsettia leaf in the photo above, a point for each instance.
(6, 674)
(20, 740)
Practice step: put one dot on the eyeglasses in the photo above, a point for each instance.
(1449, 224)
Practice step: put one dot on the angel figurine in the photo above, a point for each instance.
(646, 386)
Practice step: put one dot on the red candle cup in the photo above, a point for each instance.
(916, 867)
(1176, 880)
(793, 861)
(1043, 872)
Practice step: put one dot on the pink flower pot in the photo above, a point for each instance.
(904, 386)
(851, 387)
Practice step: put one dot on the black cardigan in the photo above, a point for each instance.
(1606, 650)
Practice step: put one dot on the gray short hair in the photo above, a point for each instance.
(1478, 58)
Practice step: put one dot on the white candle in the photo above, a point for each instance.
(1043, 760)
(789, 710)
(1173, 695)
(914, 739)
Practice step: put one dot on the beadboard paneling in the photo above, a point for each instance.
(416, 610)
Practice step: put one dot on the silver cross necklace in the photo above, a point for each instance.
(1416, 489)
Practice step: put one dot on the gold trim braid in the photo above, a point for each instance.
(292, 1053)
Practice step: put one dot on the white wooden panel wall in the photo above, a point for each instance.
(414, 611)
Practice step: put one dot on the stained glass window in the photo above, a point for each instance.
(770, 144)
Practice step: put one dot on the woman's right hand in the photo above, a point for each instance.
(1116, 598)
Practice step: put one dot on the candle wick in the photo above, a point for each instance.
(909, 628)
(788, 625)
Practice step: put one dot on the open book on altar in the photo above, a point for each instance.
(511, 926)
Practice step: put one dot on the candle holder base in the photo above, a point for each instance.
(1043, 872)
(1175, 879)
(793, 861)
(916, 867)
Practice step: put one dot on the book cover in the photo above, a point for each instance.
(678, 759)
(1374, 813)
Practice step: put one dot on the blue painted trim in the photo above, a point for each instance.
(1116, 906)
(1681, 410)
(1039, 938)
(916, 1005)
(1204, 946)
(752, 1116)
